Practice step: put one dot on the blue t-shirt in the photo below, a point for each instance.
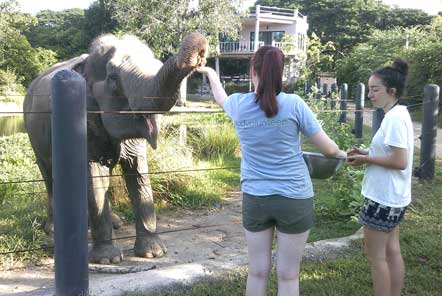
(272, 161)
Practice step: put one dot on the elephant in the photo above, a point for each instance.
(120, 74)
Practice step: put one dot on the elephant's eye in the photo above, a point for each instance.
(112, 82)
(112, 77)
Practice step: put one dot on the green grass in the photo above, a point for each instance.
(21, 205)
(421, 237)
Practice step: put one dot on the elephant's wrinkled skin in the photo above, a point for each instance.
(120, 74)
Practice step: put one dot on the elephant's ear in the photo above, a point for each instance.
(79, 64)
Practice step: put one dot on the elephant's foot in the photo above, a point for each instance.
(116, 221)
(105, 254)
(149, 246)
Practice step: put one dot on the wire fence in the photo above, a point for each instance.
(177, 171)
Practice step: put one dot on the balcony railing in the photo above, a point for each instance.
(249, 47)
(287, 47)
(275, 11)
(238, 47)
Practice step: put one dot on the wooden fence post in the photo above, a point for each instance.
(359, 104)
(343, 102)
(430, 110)
(378, 116)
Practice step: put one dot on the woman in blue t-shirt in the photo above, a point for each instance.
(275, 182)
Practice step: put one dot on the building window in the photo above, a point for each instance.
(268, 36)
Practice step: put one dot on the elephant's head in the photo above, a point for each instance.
(123, 74)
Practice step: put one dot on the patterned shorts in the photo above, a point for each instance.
(380, 217)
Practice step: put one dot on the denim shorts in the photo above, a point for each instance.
(380, 217)
(288, 215)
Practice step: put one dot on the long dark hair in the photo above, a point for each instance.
(268, 64)
(394, 76)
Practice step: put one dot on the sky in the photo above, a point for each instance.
(33, 6)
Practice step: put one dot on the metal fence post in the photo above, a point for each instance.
(359, 104)
(324, 89)
(430, 110)
(318, 91)
(378, 116)
(334, 90)
(69, 170)
(306, 89)
(343, 103)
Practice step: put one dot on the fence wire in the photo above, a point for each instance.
(365, 110)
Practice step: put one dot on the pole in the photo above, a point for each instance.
(69, 167)
(333, 91)
(378, 116)
(256, 44)
(318, 91)
(359, 119)
(343, 103)
(429, 132)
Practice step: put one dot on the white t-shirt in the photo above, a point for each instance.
(390, 187)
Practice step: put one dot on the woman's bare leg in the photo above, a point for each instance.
(259, 245)
(289, 256)
(395, 263)
(376, 252)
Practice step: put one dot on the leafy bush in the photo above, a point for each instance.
(423, 55)
(236, 87)
(10, 87)
(346, 184)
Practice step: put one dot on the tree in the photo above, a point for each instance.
(98, 20)
(16, 53)
(423, 54)
(60, 31)
(344, 22)
(163, 24)
(402, 17)
(348, 23)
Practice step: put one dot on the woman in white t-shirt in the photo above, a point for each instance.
(387, 181)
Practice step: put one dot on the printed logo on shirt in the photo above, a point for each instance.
(261, 123)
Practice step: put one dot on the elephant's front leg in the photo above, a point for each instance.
(103, 251)
(134, 164)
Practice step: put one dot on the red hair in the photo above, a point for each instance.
(268, 64)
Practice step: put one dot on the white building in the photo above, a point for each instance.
(280, 27)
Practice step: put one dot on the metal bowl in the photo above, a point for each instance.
(320, 166)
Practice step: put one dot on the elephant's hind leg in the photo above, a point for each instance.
(103, 251)
(134, 164)
(46, 172)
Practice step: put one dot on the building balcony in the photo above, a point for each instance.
(247, 48)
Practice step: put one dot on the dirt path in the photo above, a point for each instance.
(212, 244)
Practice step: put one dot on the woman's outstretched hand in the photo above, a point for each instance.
(357, 156)
(215, 84)
(357, 159)
(205, 70)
